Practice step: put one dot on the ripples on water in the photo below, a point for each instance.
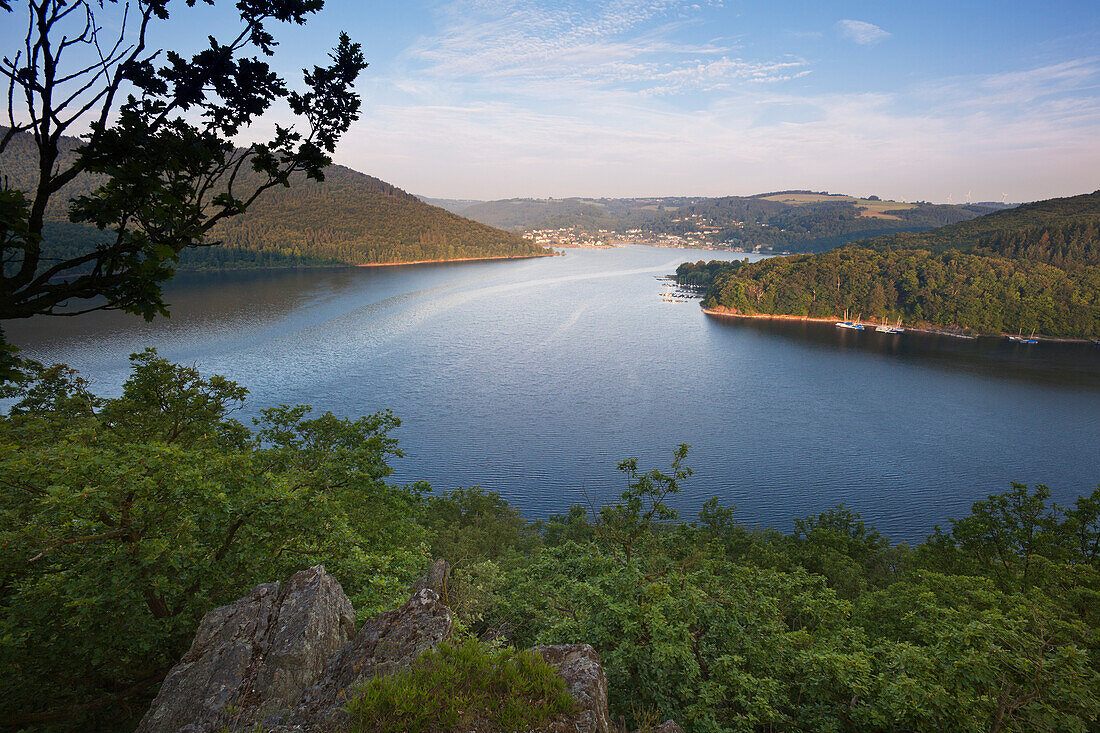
(535, 377)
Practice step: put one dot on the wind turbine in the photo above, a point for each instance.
(949, 201)
(968, 197)
(1004, 199)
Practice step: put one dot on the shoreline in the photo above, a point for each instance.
(457, 259)
(957, 333)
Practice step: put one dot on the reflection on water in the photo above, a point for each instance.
(1074, 365)
(535, 377)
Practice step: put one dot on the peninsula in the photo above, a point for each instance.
(1034, 269)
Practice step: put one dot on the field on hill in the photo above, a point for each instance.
(868, 208)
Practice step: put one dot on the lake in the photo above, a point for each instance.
(533, 378)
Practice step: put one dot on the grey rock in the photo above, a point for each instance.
(579, 665)
(437, 579)
(669, 726)
(254, 658)
(388, 644)
(286, 658)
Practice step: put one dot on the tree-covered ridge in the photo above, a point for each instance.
(19, 170)
(1071, 219)
(350, 218)
(353, 218)
(803, 222)
(748, 222)
(1035, 268)
(124, 520)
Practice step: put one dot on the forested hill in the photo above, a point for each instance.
(349, 218)
(795, 221)
(1035, 268)
(353, 218)
(1064, 232)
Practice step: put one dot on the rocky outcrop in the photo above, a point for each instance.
(579, 665)
(284, 658)
(437, 577)
(256, 656)
(388, 644)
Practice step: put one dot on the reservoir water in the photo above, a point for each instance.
(533, 378)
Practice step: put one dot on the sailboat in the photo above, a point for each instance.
(887, 328)
(848, 324)
(1019, 339)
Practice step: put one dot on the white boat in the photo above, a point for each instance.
(854, 325)
(887, 328)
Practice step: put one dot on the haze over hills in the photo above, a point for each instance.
(350, 218)
(455, 206)
(786, 220)
(1031, 269)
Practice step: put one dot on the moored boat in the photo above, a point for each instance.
(854, 325)
(887, 328)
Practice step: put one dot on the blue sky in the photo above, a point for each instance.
(912, 100)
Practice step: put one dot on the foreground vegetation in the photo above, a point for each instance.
(465, 686)
(1033, 269)
(123, 520)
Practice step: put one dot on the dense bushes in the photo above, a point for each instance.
(122, 521)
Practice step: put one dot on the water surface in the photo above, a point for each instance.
(535, 377)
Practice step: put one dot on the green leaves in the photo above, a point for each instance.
(642, 509)
(122, 521)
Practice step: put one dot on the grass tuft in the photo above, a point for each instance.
(462, 686)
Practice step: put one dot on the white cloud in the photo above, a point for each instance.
(514, 45)
(605, 97)
(862, 32)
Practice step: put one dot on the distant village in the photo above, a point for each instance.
(702, 238)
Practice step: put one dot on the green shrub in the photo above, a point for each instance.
(462, 686)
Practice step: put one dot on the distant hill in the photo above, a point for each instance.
(1033, 268)
(350, 218)
(784, 220)
(587, 213)
(353, 218)
(1062, 232)
(455, 206)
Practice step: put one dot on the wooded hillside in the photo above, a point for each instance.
(1035, 268)
(349, 218)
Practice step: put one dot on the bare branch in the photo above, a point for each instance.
(77, 540)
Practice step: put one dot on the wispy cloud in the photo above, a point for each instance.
(862, 32)
(605, 43)
(635, 97)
